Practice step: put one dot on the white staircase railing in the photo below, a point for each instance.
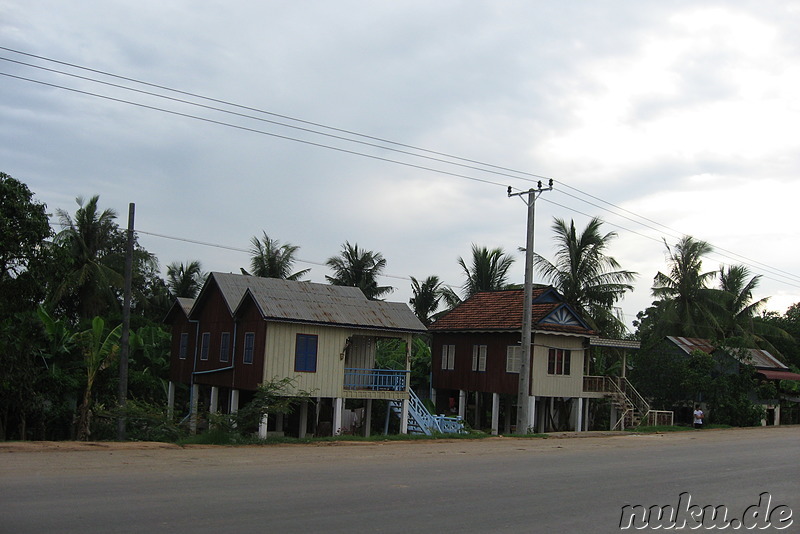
(421, 421)
(635, 409)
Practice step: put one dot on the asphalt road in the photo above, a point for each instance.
(504, 485)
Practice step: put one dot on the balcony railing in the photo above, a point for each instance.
(375, 379)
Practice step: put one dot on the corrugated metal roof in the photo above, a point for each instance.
(762, 358)
(689, 344)
(755, 357)
(615, 343)
(779, 375)
(286, 300)
(186, 304)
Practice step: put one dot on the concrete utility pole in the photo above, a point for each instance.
(126, 328)
(523, 417)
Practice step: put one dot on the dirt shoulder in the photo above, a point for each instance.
(74, 446)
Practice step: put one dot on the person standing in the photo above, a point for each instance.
(698, 416)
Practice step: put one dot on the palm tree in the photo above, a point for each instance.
(185, 280)
(87, 238)
(426, 297)
(740, 314)
(688, 303)
(590, 280)
(271, 259)
(358, 268)
(488, 270)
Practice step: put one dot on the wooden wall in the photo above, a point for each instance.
(496, 379)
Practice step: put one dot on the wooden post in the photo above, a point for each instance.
(124, 341)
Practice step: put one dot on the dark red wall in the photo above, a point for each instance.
(494, 379)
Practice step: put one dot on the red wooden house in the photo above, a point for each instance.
(243, 331)
(476, 360)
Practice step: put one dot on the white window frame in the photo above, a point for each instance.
(225, 347)
(183, 345)
(205, 345)
(479, 358)
(448, 357)
(249, 351)
(513, 358)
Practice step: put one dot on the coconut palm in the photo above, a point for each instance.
(426, 297)
(87, 239)
(271, 259)
(358, 268)
(185, 280)
(488, 270)
(740, 318)
(590, 280)
(688, 303)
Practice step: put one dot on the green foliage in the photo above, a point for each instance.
(669, 379)
(426, 297)
(488, 270)
(688, 301)
(391, 354)
(358, 268)
(271, 259)
(590, 280)
(789, 345)
(185, 280)
(272, 397)
(143, 422)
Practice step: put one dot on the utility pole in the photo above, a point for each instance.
(126, 328)
(523, 416)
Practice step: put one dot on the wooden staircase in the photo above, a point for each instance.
(632, 409)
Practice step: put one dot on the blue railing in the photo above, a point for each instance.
(421, 421)
(375, 379)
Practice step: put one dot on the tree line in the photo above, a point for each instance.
(61, 294)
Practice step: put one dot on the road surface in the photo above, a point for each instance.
(493, 485)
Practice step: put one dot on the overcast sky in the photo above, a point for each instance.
(662, 118)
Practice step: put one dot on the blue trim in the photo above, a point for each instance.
(375, 379)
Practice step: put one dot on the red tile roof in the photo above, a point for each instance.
(502, 310)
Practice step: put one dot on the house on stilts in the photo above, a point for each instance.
(242, 331)
(476, 350)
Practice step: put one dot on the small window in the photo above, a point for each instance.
(204, 346)
(224, 346)
(305, 353)
(448, 357)
(249, 344)
(513, 358)
(558, 361)
(479, 357)
(182, 348)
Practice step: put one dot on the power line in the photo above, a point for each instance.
(253, 130)
(518, 175)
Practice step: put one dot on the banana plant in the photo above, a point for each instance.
(98, 352)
